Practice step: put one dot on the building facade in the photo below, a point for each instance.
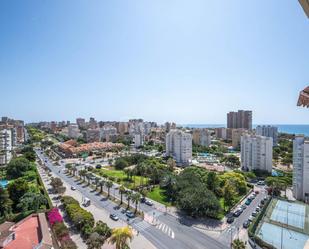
(179, 146)
(6, 146)
(256, 153)
(301, 168)
(236, 137)
(201, 137)
(73, 131)
(268, 131)
(240, 119)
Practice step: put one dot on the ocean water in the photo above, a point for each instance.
(285, 128)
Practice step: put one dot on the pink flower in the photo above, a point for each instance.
(54, 216)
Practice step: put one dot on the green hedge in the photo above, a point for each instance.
(254, 225)
(43, 190)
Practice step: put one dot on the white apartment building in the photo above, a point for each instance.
(73, 131)
(268, 131)
(179, 146)
(301, 168)
(6, 146)
(256, 152)
(138, 140)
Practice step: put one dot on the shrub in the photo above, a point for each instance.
(54, 216)
(60, 230)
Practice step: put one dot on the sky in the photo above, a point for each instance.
(160, 60)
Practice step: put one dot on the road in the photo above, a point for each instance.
(165, 233)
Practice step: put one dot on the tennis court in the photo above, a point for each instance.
(275, 235)
(292, 214)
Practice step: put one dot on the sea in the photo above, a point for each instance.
(297, 129)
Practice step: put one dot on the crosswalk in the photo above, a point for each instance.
(161, 226)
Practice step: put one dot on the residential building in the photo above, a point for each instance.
(240, 119)
(20, 134)
(268, 131)
(201, 137)
(305, 5)
(301, 168)
(256, 152)
(108, 133)
(138, 140)
(122, 128)
(236, 137)
(92, 135)
(6, 146)
(73, 131)
(179, 146)
(169, 126)
(92, 123)
(221, 133)
(81, 122)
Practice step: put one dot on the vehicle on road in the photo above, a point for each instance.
(254, 214)
(261, 183)
(243, 206)
(237, 213)
(251, 218)
(230, 219)
(246, 224)
(130, 214)
(114, 217)
(73, 188)
(257, 209)
(149, 203)
(86, 202)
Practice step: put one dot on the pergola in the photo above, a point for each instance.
(303, 99)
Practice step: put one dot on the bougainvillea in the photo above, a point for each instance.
(54, 216)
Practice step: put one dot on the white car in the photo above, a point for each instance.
(73, 188)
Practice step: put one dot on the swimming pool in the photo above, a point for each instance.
(3, 183)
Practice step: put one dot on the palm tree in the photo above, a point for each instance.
(120, 237)
(74, 170)
(102, 183)
(88, 176)
(129, 197)
(238, 244)
(68, 167)
(136, 198)
(82, 174)
(121, 190)
(97, 182)
(109, 185)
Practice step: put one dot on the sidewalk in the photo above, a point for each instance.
(138, 242)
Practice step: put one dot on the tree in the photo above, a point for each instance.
(109, 185)
(17, 167)
(57, 185)
(5, 203)
(32, 201)
(238, 244)
(121, 190)
(17, 189)
(229, 193)
(82, 174)
(129, 195)
(95, 241)
(136, 198)
(211, 181)
(102, 229)
(102, 183)
(121, 236)
(121, 164)
(97, 182)
(232, 161)
(69, 168)
(31, 156)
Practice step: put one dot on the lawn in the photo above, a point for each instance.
(158, 194)
(122, 177)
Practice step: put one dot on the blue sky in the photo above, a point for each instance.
(184, 61)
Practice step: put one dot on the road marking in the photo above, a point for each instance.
(142, 225)
(166, 229)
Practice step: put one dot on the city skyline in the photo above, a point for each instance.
(175, 61)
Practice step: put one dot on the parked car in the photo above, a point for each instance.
(98, 166)
(248, 202)
(244, 206)
(261, 183)
(254, 214)
(114, 217)
(130, 214)
(230, 220)
(73, 188)
(237, 213)
(257, 209)
(257, 192)
(251, 218)
(246, 224)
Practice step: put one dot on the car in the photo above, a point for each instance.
(261, 183)
(246, 224)
(230, 220)
(262, 202)
(148, 202)
(143, 199)
(114, 217)
(251, 218)
(248, 202)
(254, 214)
(257, 209)
(243, 206)
(260, 205)
(98, 166)
(130, 214)
(257, 192)
(73, 188)
(237, 213)
(123, 211)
